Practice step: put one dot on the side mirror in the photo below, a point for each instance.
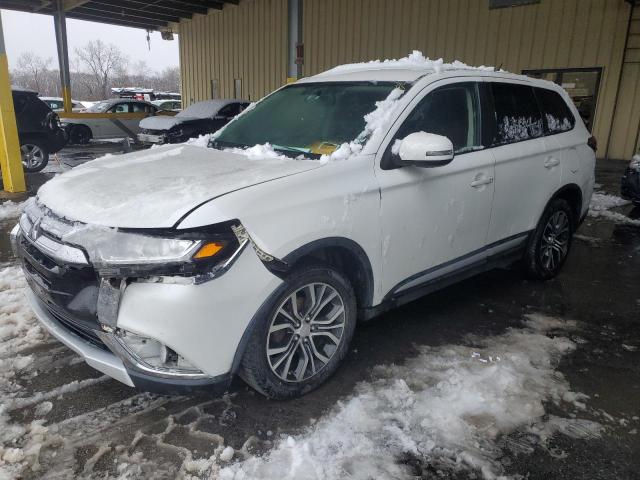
(427, 150)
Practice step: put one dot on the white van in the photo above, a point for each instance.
(331, 200)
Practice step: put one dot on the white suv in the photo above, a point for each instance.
(332, 199)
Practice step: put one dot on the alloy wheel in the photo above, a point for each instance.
(32, 156)
(305, 332)
(555, 240)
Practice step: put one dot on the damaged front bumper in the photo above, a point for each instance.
(156, 332)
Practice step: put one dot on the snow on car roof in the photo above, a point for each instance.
(407, 69)
(207, 108)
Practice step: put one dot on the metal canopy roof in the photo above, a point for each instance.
(150, 15)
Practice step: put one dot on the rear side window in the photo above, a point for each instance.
(518, 117)
(555, 111)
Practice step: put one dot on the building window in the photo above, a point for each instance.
(582, 85)
(510, 3)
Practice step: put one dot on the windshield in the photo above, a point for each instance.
(99, 107)
(313, 118)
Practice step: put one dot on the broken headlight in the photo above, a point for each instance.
(116, 253)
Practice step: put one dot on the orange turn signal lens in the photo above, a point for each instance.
(208, 250)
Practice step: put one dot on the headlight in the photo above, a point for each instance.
(635, 163)
(123, 253)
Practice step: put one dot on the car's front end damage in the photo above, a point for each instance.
(630, 184)
(154, 309)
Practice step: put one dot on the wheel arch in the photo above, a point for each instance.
(345, 255)
(572, 193)
(327, 250)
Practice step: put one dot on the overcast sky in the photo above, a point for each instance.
(32, 32)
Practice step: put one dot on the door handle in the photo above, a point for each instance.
(481, 182)
(551, 162)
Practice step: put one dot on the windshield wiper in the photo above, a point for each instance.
(291, 149)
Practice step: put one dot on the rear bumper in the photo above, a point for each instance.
(630, 185)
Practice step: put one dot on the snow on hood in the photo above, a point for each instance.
(155, 188)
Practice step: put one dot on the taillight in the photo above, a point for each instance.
(593, 143)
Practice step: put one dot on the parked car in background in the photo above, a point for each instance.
(630, 185)
(334, 198)
(39, 129)
(170, 105)
(124, 124)
(197, 119)
(57, 104)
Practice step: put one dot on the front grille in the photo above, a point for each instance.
(84, 333)
(69, 292)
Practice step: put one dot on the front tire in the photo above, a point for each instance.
(35, 155)
(302, 333)
(550, 243)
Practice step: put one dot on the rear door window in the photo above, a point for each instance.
(555, 111)
(451, 111)
(518, 117)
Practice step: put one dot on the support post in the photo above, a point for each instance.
(10, 157)
(295, 48)
(60, 22)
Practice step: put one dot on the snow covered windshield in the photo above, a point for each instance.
(310, 118)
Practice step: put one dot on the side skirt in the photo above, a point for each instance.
(395, 298)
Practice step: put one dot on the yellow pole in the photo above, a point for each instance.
(10, 157)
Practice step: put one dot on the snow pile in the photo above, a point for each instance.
(415, 60)
(201, 141)
(258, 152)
(18, 326)
(18, 330)
(601, 205)
(448, 408)
(10, 210)
(377, 123)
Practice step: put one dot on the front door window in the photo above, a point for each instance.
(580, 83)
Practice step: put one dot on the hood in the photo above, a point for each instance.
(164, 122)
(155, 188)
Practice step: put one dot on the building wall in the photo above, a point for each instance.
(246, 42)
(624, 133)
(249, 41)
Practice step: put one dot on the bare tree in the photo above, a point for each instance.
(33, 71)
(101, 61)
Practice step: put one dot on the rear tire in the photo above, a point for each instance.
(80, 135)
(35, 155)
(550, 243)
(302, 333)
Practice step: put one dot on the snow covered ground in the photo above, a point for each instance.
(601, 205)
(450, 406)
(10, 209)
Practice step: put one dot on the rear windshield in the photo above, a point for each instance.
(308, 118)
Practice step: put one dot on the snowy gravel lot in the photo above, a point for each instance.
(496, 377)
